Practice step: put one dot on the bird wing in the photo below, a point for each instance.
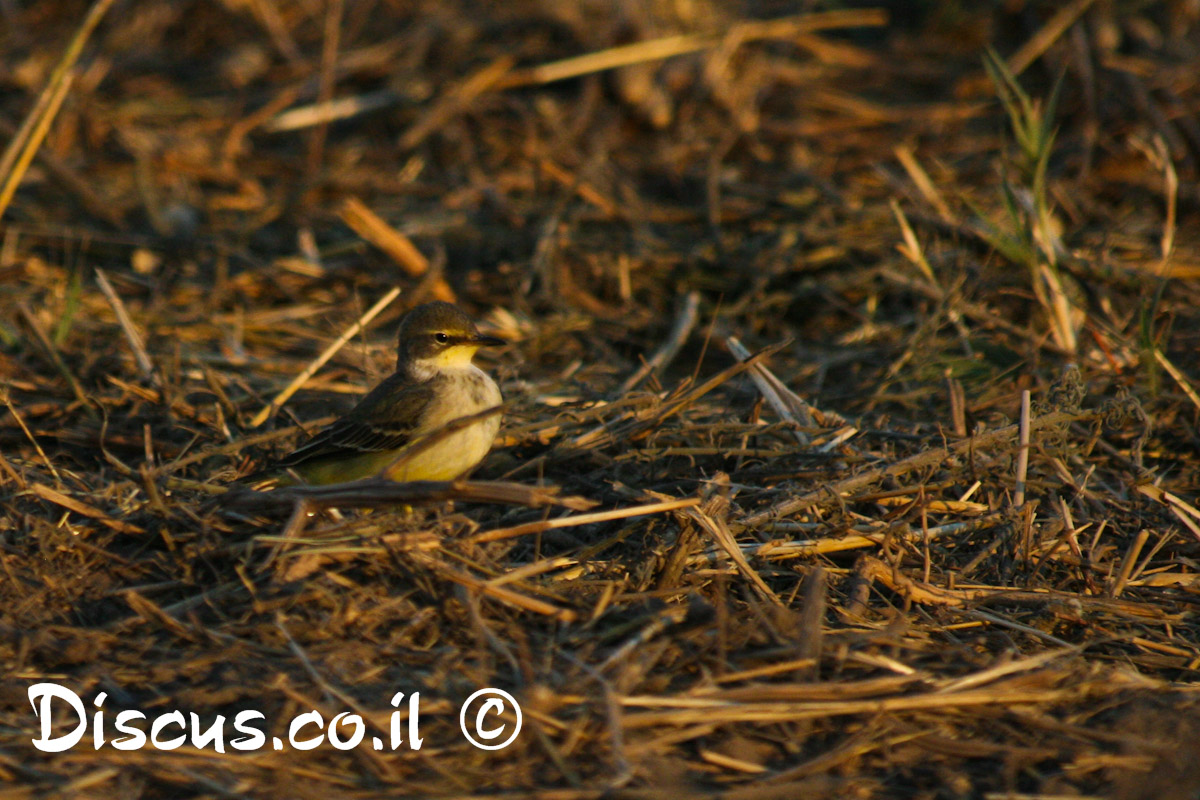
(383, 420)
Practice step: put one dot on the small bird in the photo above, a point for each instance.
(434, 384)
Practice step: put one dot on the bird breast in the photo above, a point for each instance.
(457, 393)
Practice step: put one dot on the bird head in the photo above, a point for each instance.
(438, 336)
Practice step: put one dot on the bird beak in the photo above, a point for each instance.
(487, 341)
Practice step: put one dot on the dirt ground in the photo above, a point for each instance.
(851, 424)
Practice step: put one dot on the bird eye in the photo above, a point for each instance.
(441, 338)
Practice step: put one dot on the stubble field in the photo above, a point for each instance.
(850, 438)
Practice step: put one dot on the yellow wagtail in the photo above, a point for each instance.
(434, 384)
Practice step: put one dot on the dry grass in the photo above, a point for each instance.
(765, 519)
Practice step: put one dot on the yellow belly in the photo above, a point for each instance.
(450, 457)
(467, 393)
